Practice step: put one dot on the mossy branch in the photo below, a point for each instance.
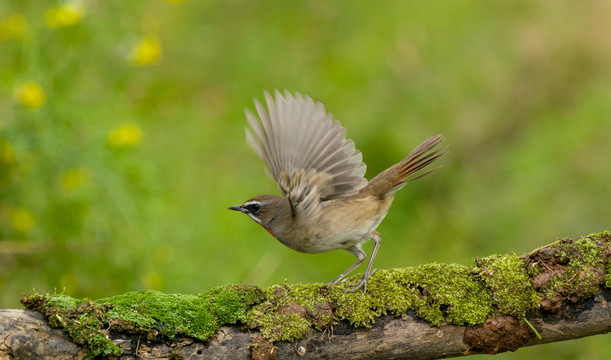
(496, 304)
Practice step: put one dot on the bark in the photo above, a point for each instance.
(25, 334)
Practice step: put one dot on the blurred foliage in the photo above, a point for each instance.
(121, 134)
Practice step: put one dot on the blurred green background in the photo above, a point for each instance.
(122, 135)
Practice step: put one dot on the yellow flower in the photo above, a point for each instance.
(73, 179)
(125, 136)
(22, 220)
(174, 1)
(68, 14)
(14, 27)
(146, 52)
(30, 94)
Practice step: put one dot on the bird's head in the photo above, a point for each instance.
(270, 211)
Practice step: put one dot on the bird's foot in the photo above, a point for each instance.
(360, 284)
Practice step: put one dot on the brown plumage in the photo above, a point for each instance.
(391, 180)
(327, 202)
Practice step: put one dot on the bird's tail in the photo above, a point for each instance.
(394, 178)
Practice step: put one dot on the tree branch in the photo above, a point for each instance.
(571, 302)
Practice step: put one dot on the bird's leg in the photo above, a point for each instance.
(360, 258)
(363, 283)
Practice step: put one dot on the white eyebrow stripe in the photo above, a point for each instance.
(255, 202)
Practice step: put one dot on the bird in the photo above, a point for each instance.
(326, 203)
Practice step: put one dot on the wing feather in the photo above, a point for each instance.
(305, 150)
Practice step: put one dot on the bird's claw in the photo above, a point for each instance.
(360, 284)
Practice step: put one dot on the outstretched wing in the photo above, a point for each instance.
(305, 150)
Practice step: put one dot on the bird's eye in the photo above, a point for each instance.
(254, 208)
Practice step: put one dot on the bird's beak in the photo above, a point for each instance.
(237, 208)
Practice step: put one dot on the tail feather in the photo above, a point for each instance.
(394, 178)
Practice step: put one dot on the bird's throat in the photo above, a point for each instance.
(270, 232)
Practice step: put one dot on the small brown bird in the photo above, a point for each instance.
(327, 203)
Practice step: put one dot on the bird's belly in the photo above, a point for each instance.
(323, 242)
(347, 224)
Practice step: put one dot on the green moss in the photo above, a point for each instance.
(80, 319)
(438, 293)
(61, 301)
(435, 292)
(145, 312)
(588, 266)
(197, 316)
(166, 313)
(511, 286)
(576, 268)
(289, 312)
